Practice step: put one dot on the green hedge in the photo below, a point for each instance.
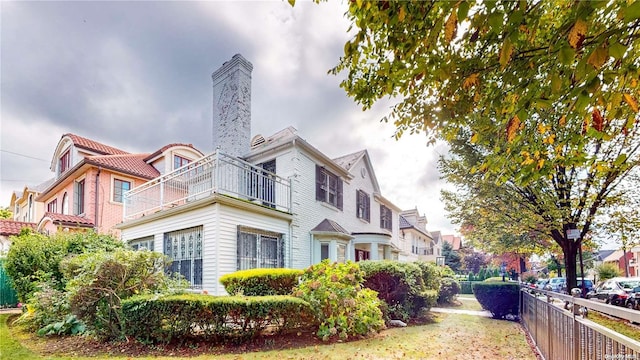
(466, 287)
(155, 318)
(261, 282)
(449, 289)
(501, 299)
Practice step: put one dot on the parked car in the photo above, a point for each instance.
(616, 291)
(633, 302)
(556, 284)
(541, 283)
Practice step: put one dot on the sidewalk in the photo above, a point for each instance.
(482, 313)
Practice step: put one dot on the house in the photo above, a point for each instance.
(455, 241)
(274, 201)
(91, 178)
(10, 228)
(623, 261)
(416, 242)
(23, 204)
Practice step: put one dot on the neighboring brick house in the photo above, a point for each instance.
(272, 201)
(91, 178)
(455, 241)
(617, 259)
(10, 228)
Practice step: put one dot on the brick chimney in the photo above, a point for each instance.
(232, 106)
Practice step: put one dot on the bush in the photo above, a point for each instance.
(154, 318)
(99, 281)
(449, 289)
(401, 286)
(431, 274)
(261, 282)
(499, 298)
(607, 271)
(34, 258)
(46, 306)
(342, 307)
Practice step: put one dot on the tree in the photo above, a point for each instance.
(607, 271)
(473, 261)
(622, 223)
(544, 93)
(5, 213)
(451, 257)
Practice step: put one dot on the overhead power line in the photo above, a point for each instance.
(23, 155)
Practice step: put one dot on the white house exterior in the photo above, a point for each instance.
(279, 203)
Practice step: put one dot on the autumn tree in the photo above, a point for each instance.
(5, 213)
(545, 92)
(473, 261)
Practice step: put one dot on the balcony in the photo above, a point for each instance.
(213, 174)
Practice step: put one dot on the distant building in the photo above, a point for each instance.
(455, 241)
(10, 228)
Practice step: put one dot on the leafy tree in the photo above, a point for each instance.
(622, 224)
(473, 261)
(544, 93)
(5, 213)
(451, 257)
(607, 271)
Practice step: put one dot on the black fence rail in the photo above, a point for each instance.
(559, 326)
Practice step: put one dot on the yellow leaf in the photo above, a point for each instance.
(541, 128)
(401, 14)
(451, 26)
(598, 57)
(577, 34)
(505, 53)
(474, 138)
(631, 101)
(540, 164)
(512, 127)
(563, 120)
(470, 81)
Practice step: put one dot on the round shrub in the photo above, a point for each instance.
(431, 274)
(499, 298)
(261, 282)
(449, 289)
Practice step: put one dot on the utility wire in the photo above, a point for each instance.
(23, 155)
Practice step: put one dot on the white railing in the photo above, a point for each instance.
(213, 174)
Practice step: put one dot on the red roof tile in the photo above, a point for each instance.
(132, 164)
(10, 227)
(61, 219)
(93, 145)
(164, 148)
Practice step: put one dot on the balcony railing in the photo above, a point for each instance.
(213, 174)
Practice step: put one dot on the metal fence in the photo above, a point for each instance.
(561, 334)
(216, 173)
(8, 296)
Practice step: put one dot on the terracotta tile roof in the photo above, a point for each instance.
(132, 164)
(327, 225)
(61, 219)
(93, 145)
(455, 241)
(10, 227)
(164, 148)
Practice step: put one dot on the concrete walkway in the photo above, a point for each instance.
(482, 313)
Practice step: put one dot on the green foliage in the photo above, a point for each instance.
(261, 282)
(99, 281)
(466, 287)
(155, 318)
(607, 271)
(69, 326)
(35, 258)
(5, 213)
(451, 257)
(46, 306)
(342, 306)
(432, 274)
(474, 261)
(401, 286)
(449, 290)
(499, 298)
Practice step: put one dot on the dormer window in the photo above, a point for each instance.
(64, 162)
(179, 161)
(385, 217)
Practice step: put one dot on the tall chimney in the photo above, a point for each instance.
(232, 106)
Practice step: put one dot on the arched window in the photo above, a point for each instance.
(65, 204)
(30, 208)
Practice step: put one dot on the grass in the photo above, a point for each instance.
(450, 337)
(617, 325)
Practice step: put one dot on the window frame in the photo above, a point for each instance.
(78, 197)
(185, 256)
(363, 206)
(147, 241)
(329, 187)
(64, 162)
(180, 161)
(386, 218)
(119, 190)
(250, 248)
(52, 206)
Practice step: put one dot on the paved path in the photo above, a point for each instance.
(482, 313)
(11, 311)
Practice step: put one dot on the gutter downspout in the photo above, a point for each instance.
(95, 224)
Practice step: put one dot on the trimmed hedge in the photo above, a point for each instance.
(261, 282)
(466, 287)
(401, 286)
(449, 289)
(499, 298)
(155, 318)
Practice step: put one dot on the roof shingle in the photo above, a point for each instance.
(10, 227)
(62, 219)
(133, 164)
(327, 225)
(93, 145)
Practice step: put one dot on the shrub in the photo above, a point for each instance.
(449, 289)
(158, 318)
(261, 282)
(431, 274)
(342, 307)
(99, 281)
(466, 287)
(46, 306)
(34, 258)
(401, 286)
(607, 271)
(499, 298)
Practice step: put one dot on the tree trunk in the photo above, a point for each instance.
(570, 251)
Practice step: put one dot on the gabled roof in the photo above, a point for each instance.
(10, 227)
(404, 223)
(132, 164)
(68, 220)
(43, 186)
(347, 161)
(92, 145)
(603, 254)
(329, 226)
(166, 147)
(614, 256)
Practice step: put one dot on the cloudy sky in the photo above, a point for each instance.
(137, 76)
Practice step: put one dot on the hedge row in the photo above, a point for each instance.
(154, 318)
(261, 282)
(466, 287)
(500, 299)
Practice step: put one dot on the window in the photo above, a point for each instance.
(328, 187)
(184, 248)
(259, 249)
(145, 243)
(262, 184)
(65, 204)
(385, 217)
(119, 188)
(52, 206)
(342, 253)
(362, 205)
(179, 161)
(30, 210)
(324, 251)
(64, 162)
(78, 198)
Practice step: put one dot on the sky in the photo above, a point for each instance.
(137, 76)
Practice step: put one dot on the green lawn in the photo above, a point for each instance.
(451, 336)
